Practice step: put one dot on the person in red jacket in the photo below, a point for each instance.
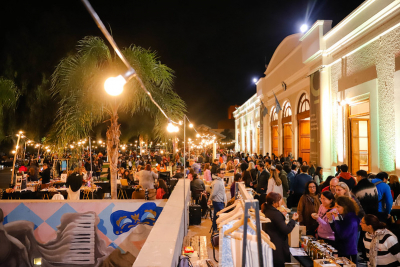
(346, 177)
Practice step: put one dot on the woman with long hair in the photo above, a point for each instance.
(342, 189)
(230, 167)
(381, 245)
(344, 223)
(274, 182)
(162, 190)
(324, 230)
(309, 204)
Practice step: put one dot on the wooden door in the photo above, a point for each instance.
(275, 139)
(360, 145)
(287, 139)
(304, 140)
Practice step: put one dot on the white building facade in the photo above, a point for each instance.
(248, 126)
(338, 88)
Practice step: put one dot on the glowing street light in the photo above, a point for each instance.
(303, 28)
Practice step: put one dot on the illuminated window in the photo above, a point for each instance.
(287, 110)
(304, 104)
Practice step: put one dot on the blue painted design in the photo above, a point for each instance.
(22, 212)
(122, 221)
(55, 219)
(105, 223)
(112, 244)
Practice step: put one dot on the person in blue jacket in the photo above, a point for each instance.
(384, 196)
(298, 184)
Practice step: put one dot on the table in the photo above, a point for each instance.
(20, 194)
(49, 194)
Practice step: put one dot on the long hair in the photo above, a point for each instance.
(274, 175)
(329, 195)
(251, 166)
(348, 204)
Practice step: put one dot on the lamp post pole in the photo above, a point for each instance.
(184, 172)
(15, 158)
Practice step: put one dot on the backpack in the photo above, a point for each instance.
(383, 195)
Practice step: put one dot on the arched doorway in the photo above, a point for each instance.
(274, 132)
(303, 118)
(287, 129)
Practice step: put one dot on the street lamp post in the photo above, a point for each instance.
(15, 157)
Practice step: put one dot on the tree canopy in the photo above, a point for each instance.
(78, 81)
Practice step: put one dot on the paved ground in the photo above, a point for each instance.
(204, 230)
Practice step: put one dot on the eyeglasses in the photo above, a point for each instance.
(312, 186)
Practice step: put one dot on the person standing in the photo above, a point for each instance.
(344, 223)
(45, 174)
(283, 176)
(299, 184)
(309, 204)
(346, 177)
(214, 167)
(274, 182)
(366, 193)
(262, 183)
(277, 229)
(324, 229)
(383, 248)
(218, 196)
(385, 200)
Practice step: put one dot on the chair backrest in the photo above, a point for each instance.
(57, 197)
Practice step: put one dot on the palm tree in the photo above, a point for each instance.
(8, 99)
(78, 81)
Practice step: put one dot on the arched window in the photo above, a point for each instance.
(287, 113)
(287, 110)
(304, 104)
(274, 115)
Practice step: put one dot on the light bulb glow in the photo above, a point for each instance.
(191, 125)
(304, 28)
(115, 85)
(255, 80)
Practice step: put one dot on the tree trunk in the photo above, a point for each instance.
(113, 134)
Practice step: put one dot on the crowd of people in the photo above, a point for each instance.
(351, 213)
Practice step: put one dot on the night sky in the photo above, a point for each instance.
(215, 47)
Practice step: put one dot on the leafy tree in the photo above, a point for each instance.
(78, 82)
(8, 100)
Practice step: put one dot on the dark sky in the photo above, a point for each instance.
(214, 47)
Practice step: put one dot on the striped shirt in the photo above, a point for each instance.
(388, 249)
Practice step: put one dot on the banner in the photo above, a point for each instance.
(314, 118)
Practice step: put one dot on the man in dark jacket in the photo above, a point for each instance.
(262, 183)
(366, 193)
(298, 185)
(283, 176)
(45, 174)
(346, 177)
(214, 167)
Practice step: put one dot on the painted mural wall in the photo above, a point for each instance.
(85, 233)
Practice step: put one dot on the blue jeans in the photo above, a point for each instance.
(217, 207)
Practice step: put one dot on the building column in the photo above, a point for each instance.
(385, 68)
(325, 123)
